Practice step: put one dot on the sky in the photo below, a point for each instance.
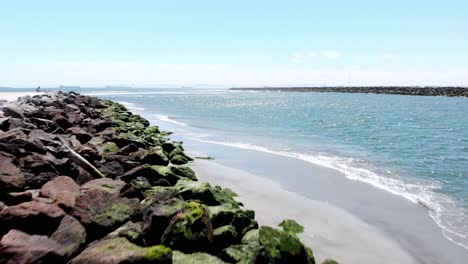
(233, 43)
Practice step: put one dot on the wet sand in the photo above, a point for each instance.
(348, 220)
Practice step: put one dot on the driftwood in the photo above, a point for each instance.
(82, 162)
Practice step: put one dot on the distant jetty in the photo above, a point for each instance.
(401, 90)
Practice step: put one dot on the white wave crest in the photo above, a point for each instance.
(170, 120)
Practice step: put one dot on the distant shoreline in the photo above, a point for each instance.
(452, 91)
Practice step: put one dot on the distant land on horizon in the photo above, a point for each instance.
(453, 91)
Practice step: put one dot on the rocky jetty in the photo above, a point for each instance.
(401, 90)
(83, 180)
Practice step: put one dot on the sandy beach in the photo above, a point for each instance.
(335, 211)
(330, 231)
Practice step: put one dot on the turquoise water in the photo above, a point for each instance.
(415, 147)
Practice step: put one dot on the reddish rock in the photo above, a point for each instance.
(105, 184)
(63, 190)
(102, 211)
(19, 247)
(11, 177)
(71, 235)
(32, 217)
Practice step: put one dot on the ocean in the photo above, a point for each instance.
(415, 147)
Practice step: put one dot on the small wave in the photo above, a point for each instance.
(170, 120)
(131, 106)
(443, 210)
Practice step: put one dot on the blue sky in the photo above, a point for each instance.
(233, 43)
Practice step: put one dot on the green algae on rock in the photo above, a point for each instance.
(283, 247)
(195, 258)
(190, 230)
(291, 226)
(120, 250)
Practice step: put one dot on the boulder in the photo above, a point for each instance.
(61, 121)
(5, 123)
(105, 184)
(291, 226)
(152, 173)
(124, 139)
(230, 214)
(71, 235)
(11, 177)
(330, 261)
(152, 157)
(31, 217)
(48, 126)
(184, 172)
(195, 258)
(19, 247)
(120, 250)
(80, 134)
(13, 111)
(157, 218)
(112, 169)
(63, 190)
(127, 149)
(225, 236)
(133, 232)
(179, 160)
(136, 188)
(242, 253)
(36, 181)
(88, 152)
(107, 148)
(194, 190)
(190, 230)
(283, 247)
(102, 211)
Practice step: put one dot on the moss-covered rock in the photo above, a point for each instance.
(291, 226)
(152, 157)
(133, 232)
(231, 214)
(225, 236)
(242, 254)
(282, 247)
(195, 258)
(157, 218)
(179, 160)
(107, 148)
(190, 230)
(120, 250)
(101, 211)
(330, 261)
(154, 174)
(202, 191)
(184, 172)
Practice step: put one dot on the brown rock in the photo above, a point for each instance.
(70, 234)
(80, 134)
(63, 190)
(19, 247)
(32, 217)
(11, 177)
(101, 211)
(105, 184)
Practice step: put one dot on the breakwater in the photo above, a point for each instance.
(401, 90)
(84, 180)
